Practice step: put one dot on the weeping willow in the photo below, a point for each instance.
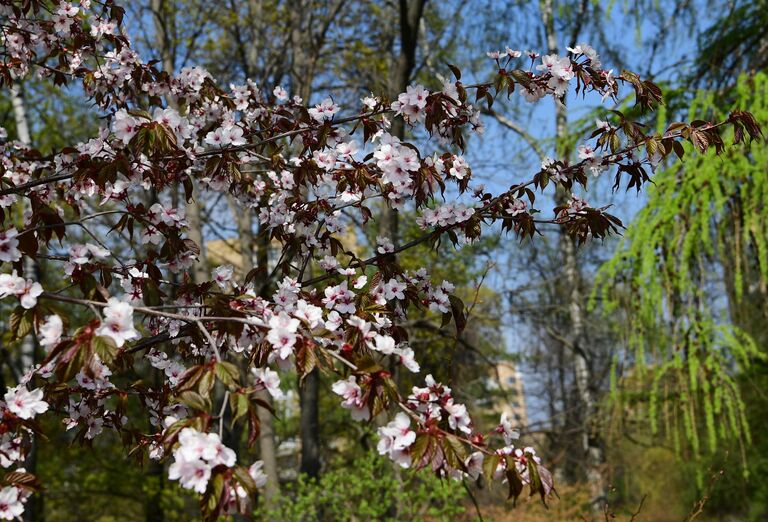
(689, 280)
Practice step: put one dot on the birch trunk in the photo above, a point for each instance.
(27, 355)
(267, 446)
(164, 19)
(589, 436)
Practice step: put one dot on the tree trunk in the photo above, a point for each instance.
(589, 436)
(268, 452)
(27, 356)
(164, 18)
(310, 424)
(303, 56)
(249, 252)
(267, 446)
(29, 346)
(410, 13)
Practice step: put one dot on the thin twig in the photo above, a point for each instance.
(474, 500)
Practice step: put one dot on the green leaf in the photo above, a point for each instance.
(211, 501)
(245, 479)
(21, 322)
(489, 467)
(534, 477)
(460, 318)
(105, 348)
(238, 403)
(206, 383)
(228, 374)
(194, 400)
(457, 447)
(419, 447)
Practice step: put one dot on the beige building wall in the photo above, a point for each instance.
(512, 401)
(225, 252)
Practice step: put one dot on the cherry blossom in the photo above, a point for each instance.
(395, 438)
(118, 322)
(192, 474)
(551, 167)
(577, 205)
(25, 289)
(324, 110)
(411, 103)
(270, 380)
(282, 333)
(407, 358)
(82, 254)
(257, 474)
(384, 344)
(124, 126)
(50, 331)
(352, 395)
(96, 376)
(9, 246)
(506, 429)
(11, 504)
(517, 207)
(589, 52)
(280, 93)
(222, 275)
(195, 457)
(24, 403)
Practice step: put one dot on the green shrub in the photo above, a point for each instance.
(368, 489)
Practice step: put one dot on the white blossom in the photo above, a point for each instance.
(24, 403)
(118, 322)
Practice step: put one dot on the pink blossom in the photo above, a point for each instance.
(11, 506)
(324, 110)
(191, 474)
(395, 439)
(24, 403)
(222, 275)
(118, 322)
(270, 380)
(282, 333)
(352, 395)
(9, 250)
(50, 331)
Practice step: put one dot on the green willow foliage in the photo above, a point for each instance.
(695, 249)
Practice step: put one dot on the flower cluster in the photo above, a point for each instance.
(353, 398)
(12, 502)
(9, 245)
(23, 403)
(26, 290)
(410, 104)
(395, 438)
(118, 322)
(195, 457)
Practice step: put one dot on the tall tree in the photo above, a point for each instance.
(29, 348)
